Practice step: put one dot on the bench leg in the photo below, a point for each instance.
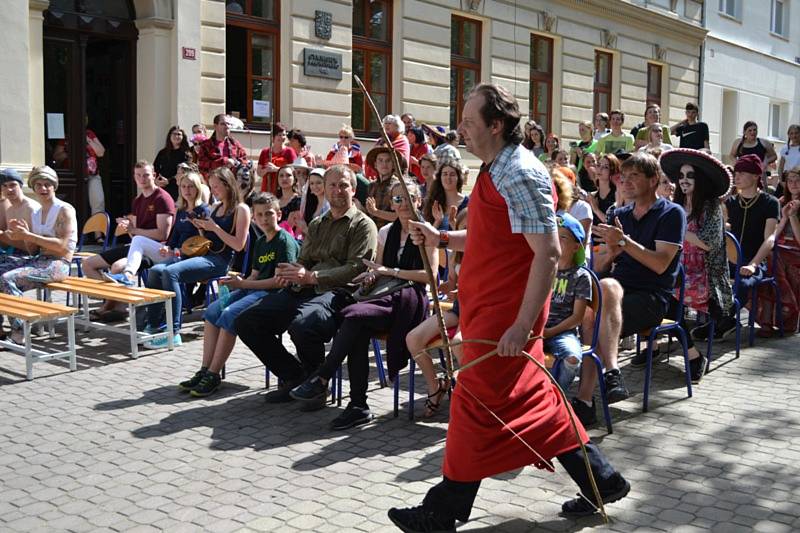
(73, 363)
(85, 303)
(170, 334)
(26, 331)
(132, 326)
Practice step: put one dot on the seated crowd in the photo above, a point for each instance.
(331, 258)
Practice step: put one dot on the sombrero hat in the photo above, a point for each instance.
(373, 154)
(705, 165)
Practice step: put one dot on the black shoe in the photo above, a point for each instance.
(310, 390)
(281, 395)
(351, 417)
(189, 384)
(700, 333)
(697, 368)
(640, 360)
(208, 385)
(615, 386)
(580, 507)
(418, 520)
(725, 329)
(587, 415)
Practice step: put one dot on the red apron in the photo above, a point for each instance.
(492, 282)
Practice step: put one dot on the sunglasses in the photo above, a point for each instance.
(344, 136)
(688, 175)
(399, 198)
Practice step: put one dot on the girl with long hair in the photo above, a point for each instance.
(444, 194)
(176, 150)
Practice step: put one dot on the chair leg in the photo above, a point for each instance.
(266, 378)
(778, 307)
(710, 342)
(687, 371)
(751, 318)
(738, 328)
(339, 387)
(603, 398)
(396, 394)
(376, 348)
(648, 369)
(411, 370)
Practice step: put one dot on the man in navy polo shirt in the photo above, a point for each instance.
(639, 269)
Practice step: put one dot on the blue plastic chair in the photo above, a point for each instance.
(590, 349)
(669, 326)
(771, 280)
(734, 253)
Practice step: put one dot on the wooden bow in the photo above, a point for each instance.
(432, 279)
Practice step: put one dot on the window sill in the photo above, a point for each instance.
(779, 36)
(730, 17)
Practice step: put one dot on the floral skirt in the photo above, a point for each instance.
(787, 275)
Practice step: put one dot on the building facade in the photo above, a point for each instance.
(128, 69)
(751, 69)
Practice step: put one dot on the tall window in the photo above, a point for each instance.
(775, 128)
(602, 82)
(372, 61)
(778, 18)
(654, 84)
(729, 7)
(541, 80)
(252, 61)
(465, 63)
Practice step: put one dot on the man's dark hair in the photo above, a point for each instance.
(642, 162)
(297, 134)
(617, 112)
(691, 106)
(220, 118)
(278, 127)
(500, 104)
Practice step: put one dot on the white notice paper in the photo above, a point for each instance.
(55, 125)
(260, 108)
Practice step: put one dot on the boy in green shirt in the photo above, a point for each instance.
(617, 139)
(275, 246)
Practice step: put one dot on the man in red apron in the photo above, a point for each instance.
(504, 290)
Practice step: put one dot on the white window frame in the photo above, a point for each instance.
(776, 123)
(773, 27)
(736, 4)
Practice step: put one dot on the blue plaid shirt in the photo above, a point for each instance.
(524, 183)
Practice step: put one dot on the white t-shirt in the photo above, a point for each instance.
(581, 210)
(791, 156)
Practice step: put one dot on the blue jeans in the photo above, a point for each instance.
(562, 346)
(238, 302)
(169, 276)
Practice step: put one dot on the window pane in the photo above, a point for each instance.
(602, 103)
(262, 90)
(540, 55)
(777, 25)
(379, 21)
(601, 75)
(541, 94)
(264, 9)
(380, 103)
(654, 79)
(58, 65)
(236, 84)
(262, 55)
(453, 97)
(235, 6)
(358, 18)
(470, 40)
(776, 121)
(455, 31)
(377, 73)
(358, 110)
(470, 81)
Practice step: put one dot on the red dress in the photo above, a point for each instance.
(491, 286)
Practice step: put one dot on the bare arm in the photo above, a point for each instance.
(571, 322)
(770, 156)
(657, 260)
(161, 231)
(62, 245)
(769, 241)
(425, 232)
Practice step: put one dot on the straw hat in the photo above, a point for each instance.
(705, 166)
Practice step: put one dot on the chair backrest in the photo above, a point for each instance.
(97, 223)
(118, 232)
(734, 252)
(596, 305)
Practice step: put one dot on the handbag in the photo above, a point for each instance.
(383, 286)
(196, 246)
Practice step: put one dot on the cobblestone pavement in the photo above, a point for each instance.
(115, 446)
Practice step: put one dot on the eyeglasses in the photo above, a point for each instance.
(399, 198)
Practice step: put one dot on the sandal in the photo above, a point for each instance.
(431, 406)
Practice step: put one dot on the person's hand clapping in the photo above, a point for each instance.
(370, 206)
(295, 273)
(423, 233)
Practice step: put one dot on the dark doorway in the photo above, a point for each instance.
(89, 88)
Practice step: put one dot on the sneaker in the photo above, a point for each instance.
(150, 330)
(208, 385)
(580, 507)
(697, 368)
(352, 416)
(281, 394)
(120, 279)
(700, 333)
(17, 337)
(615, 386)
(189, 384)
(161, 342)
(417, 519)
(640, 360)
(587, 415)
(310, 390)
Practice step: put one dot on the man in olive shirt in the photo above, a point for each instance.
(331, 256)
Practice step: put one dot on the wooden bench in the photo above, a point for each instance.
(133, 296)
(30, 312)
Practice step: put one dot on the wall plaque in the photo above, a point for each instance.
(322, 64)
(322, 24)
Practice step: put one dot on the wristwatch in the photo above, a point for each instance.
(444, 239)
(396, 271)
(622, 242)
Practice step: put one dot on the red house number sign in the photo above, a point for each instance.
(189, 53)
